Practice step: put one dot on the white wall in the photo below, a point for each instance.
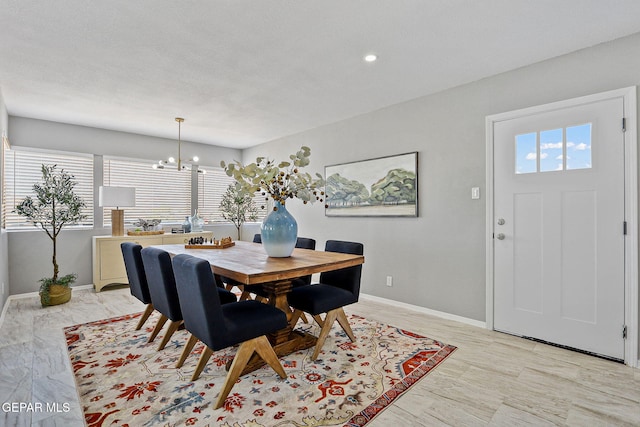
(4, 259)
(438, 260)
(29, 252)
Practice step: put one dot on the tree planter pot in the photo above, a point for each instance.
(58, 294)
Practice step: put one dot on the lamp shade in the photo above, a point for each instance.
(117, 197)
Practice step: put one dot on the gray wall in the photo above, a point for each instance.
(82, 139)
(29, 252)
(4, 259)
(438, 260)
(30, 255)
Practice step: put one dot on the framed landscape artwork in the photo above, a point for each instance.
(386, 186)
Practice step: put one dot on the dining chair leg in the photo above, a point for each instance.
(319, 320)
(268, 354)
(344, 322)
(259, 345)
(173, 326)
(187, 350)
(145, 316)
(294, 318)
(324, 332)
(244, 296)
(202, 362)
(304, 318)
(161, 321)
(245, 351)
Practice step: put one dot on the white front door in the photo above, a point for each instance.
(559, 248)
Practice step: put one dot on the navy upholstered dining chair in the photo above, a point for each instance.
(226, 297)
(164, 295)
(336, 289)
(304, 243)
(230, 283)
(220, 326)
(261, 294)
(137, 278)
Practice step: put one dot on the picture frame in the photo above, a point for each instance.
(379, 187)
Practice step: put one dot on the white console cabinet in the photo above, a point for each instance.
(108, 264)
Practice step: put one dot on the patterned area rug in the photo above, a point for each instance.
(123, 381)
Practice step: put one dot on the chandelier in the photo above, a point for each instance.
(180, 164)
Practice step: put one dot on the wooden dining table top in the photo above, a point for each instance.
(249, 264)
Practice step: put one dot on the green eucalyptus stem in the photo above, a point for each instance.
(280, 181)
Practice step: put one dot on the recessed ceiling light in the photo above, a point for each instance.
(370, 57)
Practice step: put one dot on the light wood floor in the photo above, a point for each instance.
(492, 379)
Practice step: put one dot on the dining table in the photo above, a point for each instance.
(248, 264)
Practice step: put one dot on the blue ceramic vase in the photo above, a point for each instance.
(279, 232)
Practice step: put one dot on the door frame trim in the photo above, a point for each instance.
(631, 302)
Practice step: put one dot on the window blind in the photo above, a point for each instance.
(211, 188)
(23, 168)
(163, 194)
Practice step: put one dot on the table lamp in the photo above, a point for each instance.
(117, 197)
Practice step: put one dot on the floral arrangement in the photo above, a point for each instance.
(281, 181)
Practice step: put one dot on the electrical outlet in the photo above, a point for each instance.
(389, 281)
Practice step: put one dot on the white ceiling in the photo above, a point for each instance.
(244, 72)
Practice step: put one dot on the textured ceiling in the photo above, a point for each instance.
(245, 72)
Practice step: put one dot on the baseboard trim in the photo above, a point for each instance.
(5, 307)
(31, 295)
(440, 314)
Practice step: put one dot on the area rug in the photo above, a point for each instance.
(123, 381)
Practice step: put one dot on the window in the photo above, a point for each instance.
(554, 150)
(579, 147)
(211, 188)
(526, 153)
(160, 193)
(551, 150)
(22, 169)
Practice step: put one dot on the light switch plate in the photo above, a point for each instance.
(475, 193)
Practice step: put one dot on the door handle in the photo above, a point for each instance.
(500, 236)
